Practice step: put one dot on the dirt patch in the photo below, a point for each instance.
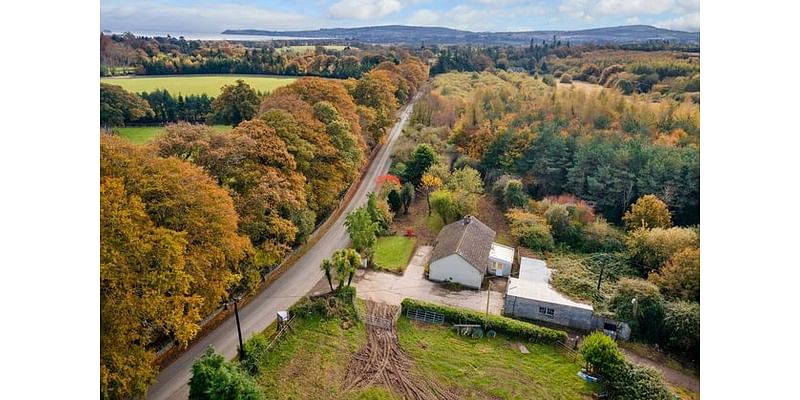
(417, 221)
(490, 213)
(383, 362)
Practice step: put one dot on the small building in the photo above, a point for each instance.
(500, 259)
(461, 253)
(531, 297)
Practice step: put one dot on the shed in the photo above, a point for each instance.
(530, 296)
(461, 253)
(500, 259)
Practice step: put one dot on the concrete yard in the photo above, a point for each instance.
(392, 288)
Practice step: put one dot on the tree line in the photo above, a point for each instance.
(197, 216)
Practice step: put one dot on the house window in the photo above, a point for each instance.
(547, 312)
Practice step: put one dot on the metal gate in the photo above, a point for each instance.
(425, 316)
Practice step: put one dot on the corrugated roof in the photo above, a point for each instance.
(468, 237)
(534, 283)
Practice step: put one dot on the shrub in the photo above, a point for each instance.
(602, 353)
(651, 248)
(514, 194)
(549, 80)
(530, 230)
(214, 377)
(648, 212)
(499, 323)
(647, 315)
(634, 382)
(625, 86)
(443, 202)
(600, 236)
(682, 327)
(566, 78)
(680, 277)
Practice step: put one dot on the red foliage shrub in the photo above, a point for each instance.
(410, 232)
(388, 178)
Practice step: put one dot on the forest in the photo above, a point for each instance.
(199, 216)
(604, 186)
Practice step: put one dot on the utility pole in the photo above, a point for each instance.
(238, 327)
(488, 293)
(600, 279)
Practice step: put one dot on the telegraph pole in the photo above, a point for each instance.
(488, 293)
(238, 327)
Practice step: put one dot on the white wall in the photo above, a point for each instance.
(453, 268)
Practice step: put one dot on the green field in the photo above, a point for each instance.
(472, 368)
(393, 252)
(197, 84)
(144, 134)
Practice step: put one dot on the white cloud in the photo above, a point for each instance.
(632, 21)
(689, 22)
(206, 18)
(364, 9)
(633, 7)
(424, 17)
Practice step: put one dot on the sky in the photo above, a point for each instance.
(474, 15)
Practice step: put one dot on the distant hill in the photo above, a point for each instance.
(436, 35)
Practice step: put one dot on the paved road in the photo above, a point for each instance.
(172, 382)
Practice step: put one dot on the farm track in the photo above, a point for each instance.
(383, 362)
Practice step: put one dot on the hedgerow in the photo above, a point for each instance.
(498, 323)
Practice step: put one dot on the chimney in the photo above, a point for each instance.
(467, 219)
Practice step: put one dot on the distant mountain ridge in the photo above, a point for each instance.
(440, 35)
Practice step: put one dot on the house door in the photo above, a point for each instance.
(498, 269)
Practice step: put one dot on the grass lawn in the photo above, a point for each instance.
(492, 368)
(392, 253)
(144, 134)
(197, 84)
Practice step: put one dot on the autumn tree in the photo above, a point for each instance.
(428, 185)
(648, 212)
(680, 277)
(169, 253)
(238, 102)
(118, 106)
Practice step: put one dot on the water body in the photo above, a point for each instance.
(213, 36)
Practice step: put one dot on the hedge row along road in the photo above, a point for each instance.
(173, 381)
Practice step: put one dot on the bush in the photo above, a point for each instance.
(514, 194)
(625, 86)
(499, 323)
(647, 316)
(213, 377)
(682, 328)
(444, 204)
(566, 78)
(647, 212)
(679, 278)
(651, 248)
(634, 382)
(530, 230)
(600, 236)
(549, 80)
(602, 353)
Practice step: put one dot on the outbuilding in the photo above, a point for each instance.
(531, 297)
(500, 259)
(461, 253)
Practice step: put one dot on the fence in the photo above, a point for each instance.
(425, 316)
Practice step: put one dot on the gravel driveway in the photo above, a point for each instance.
(392, 289)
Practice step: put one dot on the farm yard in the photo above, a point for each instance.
(197, 84)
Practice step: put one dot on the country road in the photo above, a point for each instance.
(172, 382)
